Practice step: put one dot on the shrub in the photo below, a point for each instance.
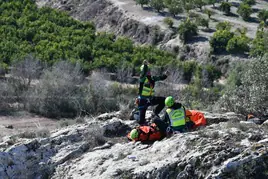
(238, 44)
(244, 11)
(263, 15)
(6, 97)
(209, 13)
(202, 22)
(174, 7)
(188, 70)
(58, 93)
(157, 4)
(195, 96)
(95, 136)
(142, 2)
(249, 2)
(225, 7)
(249, 95)
(169, 22)
(209, 74)
(187, 30)
(211, 2)
(259, 45)
(225, 25)
(199, 3)
(220, 39)
(40, 132)
(22, 74)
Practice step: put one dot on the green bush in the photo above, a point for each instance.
(249, 2)
(174, 7)
(244, 10)
(219, 40)
(263, 15)
(195, 96)
(211, 2)
(225, 25)
(202, 22)
(157, 4)
(248, 93)
(208, 12)
(169, 22)
(199, 3)
(260, 43)
(187, 30)
(225, 7)
(51, 35)
(238, 44)
(188, 70)
(142, 2)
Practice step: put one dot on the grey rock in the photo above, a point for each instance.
(75, 153)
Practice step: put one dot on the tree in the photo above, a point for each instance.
(211, 2)
(169, 22)
(260, 43)
(238, 44)
(187, 30)
(199, 4)
(244, 10)
(226, 7)
(225, 25)
(57, 93)
(208, 12)
(174, 7)
(188, 5)
(157, 4)
(249, 2)
(263, 15)
(220, 39)
(250, 93)
(142, 2)
(202, 22)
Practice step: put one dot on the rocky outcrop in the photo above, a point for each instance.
(226, 148)
(110, 17)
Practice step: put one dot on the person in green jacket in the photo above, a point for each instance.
(146, 92)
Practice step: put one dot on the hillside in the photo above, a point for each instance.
(69, 79)
(145, 25)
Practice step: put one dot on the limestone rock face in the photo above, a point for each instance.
(227, 148)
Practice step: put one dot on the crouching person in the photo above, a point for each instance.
(174, 119)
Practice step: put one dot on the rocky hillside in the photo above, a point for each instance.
(144, 25)
(110, 16)
(227, 148)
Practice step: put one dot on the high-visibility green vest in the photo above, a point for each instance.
(176, 117)
(147, 89)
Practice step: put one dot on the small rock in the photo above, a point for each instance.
(9, 126)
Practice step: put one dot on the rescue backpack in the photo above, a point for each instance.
(196, 117)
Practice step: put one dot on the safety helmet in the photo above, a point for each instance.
(134, 134)
(169, 101)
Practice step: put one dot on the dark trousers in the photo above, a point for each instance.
(152, 101)
(161, 125)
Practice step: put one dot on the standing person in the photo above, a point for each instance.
(174, 119)
(146, 92)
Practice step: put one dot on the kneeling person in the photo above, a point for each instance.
(174, 119)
